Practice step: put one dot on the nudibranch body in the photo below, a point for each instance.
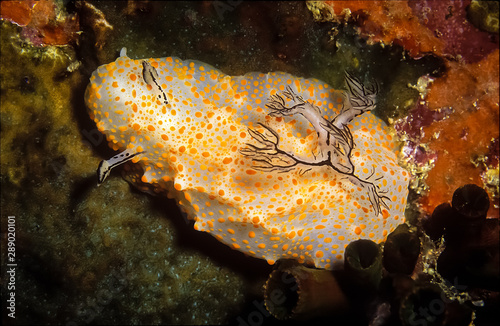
(272, 165)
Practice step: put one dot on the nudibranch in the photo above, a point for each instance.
(272, 165)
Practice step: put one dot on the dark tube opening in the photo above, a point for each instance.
(362, 253)
(363, 263)
(471, 201)
(281, 294)
(401, 251)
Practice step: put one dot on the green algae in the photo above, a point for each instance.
(161, 282)
(28, 99)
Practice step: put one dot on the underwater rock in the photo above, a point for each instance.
(43, 22)
(294, 291)
(94, 19)
(484, 15)
(387, 22)
(420, 27)
(18, 12)
(466, 134)
(447, 19)
(491, 174)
